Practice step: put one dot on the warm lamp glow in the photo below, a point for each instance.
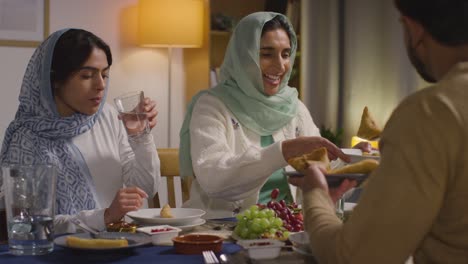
(170, 23)
(355, 140)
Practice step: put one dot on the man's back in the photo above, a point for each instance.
(447, 240)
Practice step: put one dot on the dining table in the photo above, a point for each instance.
(157, 254)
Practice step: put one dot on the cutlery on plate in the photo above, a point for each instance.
(210, 257)
(93, 233)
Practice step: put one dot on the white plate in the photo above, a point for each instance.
(300, 241)
(356, 155)
(134, 240)
(192, 225)
(349, 206)
(182, 216)
(334, 180)
(302, 251)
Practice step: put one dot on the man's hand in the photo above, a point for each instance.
(364, 146)
(125, 200)
(314, 178)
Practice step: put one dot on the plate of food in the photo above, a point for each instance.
(334, 180)
(357, 155)
(106, 241)
(191, 225)
(358, 171)
(165, 216)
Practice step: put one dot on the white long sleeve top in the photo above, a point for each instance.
(229, 163)
(114, 162)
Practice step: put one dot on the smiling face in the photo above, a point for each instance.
(275, 50)
(83, 91)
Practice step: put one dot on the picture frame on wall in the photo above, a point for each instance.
(23, 23)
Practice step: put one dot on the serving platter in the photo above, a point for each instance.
(334, 180)
(357, 155)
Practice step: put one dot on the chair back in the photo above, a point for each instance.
(169, 158)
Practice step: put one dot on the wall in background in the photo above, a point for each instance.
(115, 21)
(353, 56)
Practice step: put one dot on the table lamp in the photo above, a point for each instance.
(170, 24)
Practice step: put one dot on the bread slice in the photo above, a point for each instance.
(368, 128)
(95, 243)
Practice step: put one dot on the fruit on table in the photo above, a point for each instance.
(273, 220)
(157, 230)
(274, 194)
(290, 215)
(256, 223)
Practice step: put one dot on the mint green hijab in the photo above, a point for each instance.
(241, 86)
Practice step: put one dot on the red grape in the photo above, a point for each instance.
(274, 194)
(283, 203)
(270, 204)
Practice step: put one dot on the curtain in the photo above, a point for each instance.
(353, 56)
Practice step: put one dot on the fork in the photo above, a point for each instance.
(210, 257)
(92, 233)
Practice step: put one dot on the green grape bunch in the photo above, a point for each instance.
(256, 223)
(275, 220)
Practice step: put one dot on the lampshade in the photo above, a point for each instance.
(170, 23)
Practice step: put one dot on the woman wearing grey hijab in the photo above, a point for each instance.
(63, 120)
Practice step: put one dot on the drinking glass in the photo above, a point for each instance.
(3, 223)
(134, 118)
(30, 208)
(339, 208)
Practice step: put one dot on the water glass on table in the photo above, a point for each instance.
(131, 110)
(3, 223)
(30, 208)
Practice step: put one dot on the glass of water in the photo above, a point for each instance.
(30, 208)
(132, 114)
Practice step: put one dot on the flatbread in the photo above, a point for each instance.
(368, 128)
(301, 163)
(95, 243)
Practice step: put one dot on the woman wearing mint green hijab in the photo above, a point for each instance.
(236, 137)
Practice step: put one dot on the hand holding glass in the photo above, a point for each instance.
(131, 109)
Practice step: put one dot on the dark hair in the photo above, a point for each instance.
(445, 20)
(71, 51)
(277, 23)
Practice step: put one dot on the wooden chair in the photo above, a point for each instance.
(169, 158)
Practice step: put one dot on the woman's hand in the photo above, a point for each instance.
(302, 145)
(126, 200)
(314, 178)
(149, 107)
